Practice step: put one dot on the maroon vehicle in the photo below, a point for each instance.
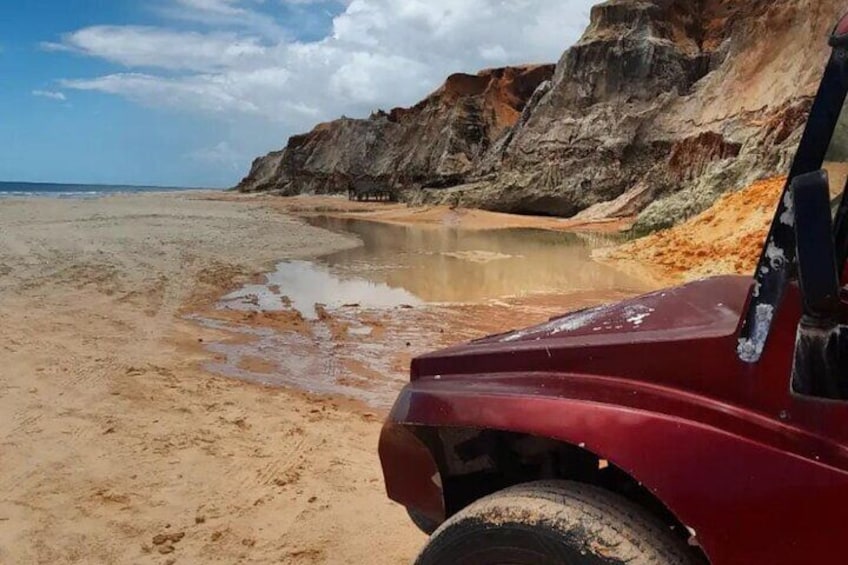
(705, 423)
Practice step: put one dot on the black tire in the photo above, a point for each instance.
(554, 522)
(422, 522)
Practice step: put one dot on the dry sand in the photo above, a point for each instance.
(112, 435)
(725, 239)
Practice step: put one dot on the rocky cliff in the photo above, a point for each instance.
(436, 143)
(659, 108)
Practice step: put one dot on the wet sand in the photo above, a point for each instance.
(431, 216)
(120, 445)
(348, 323)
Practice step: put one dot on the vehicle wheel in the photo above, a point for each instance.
(554, 522)
(422, 522)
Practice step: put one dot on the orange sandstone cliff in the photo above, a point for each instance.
(662, 106)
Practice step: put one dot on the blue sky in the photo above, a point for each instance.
(187, 92)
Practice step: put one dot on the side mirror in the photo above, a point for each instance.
(816, 252)
(839, 36)
(821, 347)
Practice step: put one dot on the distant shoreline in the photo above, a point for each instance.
(103, 185)
(14, 189)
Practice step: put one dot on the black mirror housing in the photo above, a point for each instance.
(816, 253)
(839, 36)
(821, 347)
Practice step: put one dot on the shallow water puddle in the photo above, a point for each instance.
(449, 265)
(306, 284)
(348, 323)
(356, 353)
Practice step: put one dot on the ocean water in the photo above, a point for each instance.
(53, 190)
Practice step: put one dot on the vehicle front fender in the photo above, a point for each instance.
(741, 482)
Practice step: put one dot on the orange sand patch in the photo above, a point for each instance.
(258, 365)
(431, 216)
(338, 206)
(282, 320)
(725, 239)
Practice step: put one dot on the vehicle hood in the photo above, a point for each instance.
(623, 339)
(705, 306)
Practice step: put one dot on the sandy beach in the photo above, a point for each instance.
(146, 420)
(119, 447)
(113, 436)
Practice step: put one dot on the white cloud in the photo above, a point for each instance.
(226, 14)
(137, 46)
(52, 94)
(221, 154)
(226, 7)
(311, 2)
(376, 54)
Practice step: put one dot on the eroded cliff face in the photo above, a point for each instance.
(659, 108)
(436, 143)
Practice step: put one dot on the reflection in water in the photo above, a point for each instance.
(317, 363)
(836, 159)
(452, 265)
(361, 351)
(305, 284)
(837, 174)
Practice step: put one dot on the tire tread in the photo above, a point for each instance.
(626, 532)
